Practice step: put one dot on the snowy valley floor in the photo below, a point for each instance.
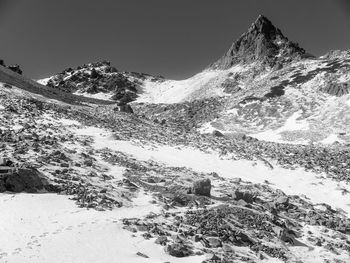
(52, 228)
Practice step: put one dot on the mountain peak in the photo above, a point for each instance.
(262, 42)
(264, 25)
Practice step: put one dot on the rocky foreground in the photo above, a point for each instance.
(215, 198)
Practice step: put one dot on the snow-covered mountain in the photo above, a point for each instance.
(268, 87)
(101, 165)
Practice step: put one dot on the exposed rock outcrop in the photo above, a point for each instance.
(15, 68)
(23, 180)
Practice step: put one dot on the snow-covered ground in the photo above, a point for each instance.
(202, 85)
(316, 187)
(172, 91)
(50, 228)
(291, 124)
(332, 138)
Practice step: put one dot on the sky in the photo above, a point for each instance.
(172, 38)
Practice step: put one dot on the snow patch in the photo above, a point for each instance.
(348, 102)
(206, 128)
(175, 91)
(43, 81)
(50, 228)
(332, 138)
(317, 187)
(100, 95)
(291, 124)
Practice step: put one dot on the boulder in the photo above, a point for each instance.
(282, 200)
(124, 108)
(94, 74)
(246, 196)
(217, 133)
(142, 255)
(15, 68)
(214, 242)
(178, 250)
(162, 240)
(202, 187)
(24, 180)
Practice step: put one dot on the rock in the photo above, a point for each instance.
(227, 248)
(202, 187)
(142, 228)
(178, 250)
(217, 133)
(142, 255)
(124, 108)
(130, 228)
(246, 196)
(28, 180)
(337, 89)
(282, 200)
(15, 68)
(2, 186)
(162, 240)
(94, 74)
(212, 257)
(197, 238)
(214, 242)
(241, 202)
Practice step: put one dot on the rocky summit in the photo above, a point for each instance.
(262, 42)
(246, 161)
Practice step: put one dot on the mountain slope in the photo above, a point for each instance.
(182, 178)
(137, 179)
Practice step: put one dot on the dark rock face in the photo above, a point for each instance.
(337, 89)
(15, 68)
(218, 134)
(23, 180)
(202, 187)
(262, 42)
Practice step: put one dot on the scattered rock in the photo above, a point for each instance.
(142, 255)
(178, 250)
(202, 187)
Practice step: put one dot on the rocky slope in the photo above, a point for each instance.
(236, 164)
(100, 80)
(210, 198)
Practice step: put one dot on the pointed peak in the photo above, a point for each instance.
(264, 26)
(262, 42)
(262, 20)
